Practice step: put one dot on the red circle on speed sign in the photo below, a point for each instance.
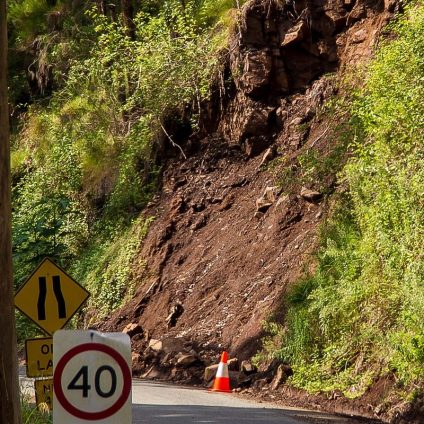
(78, 413)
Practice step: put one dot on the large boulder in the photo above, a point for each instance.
(168, 345)
(280, 377)
(310, 195)
(186, 360)
(248, 368)
(132, 329)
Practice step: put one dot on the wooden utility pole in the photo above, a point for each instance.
(9, 387)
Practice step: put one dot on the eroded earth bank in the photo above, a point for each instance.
(233, 229)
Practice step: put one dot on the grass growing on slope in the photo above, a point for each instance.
(361, 314)
(86, 161)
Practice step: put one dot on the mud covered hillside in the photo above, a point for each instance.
(227, 241)
(235, 224)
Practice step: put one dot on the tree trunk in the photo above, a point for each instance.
(128, 16)
(9, 393)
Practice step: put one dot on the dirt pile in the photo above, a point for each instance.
(228, 240)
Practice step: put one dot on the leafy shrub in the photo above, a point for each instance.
(85, 160)
(106, 268)
(28, 17)
(357, 317)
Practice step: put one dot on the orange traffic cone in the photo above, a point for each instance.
(222, 379)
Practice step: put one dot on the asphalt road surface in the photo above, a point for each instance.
(160, 403)
(157, 403)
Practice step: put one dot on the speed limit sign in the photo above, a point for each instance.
(91, 377)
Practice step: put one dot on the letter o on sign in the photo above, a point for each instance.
(92, 381)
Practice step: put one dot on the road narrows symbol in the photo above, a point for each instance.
(42, 296)
(42, 293)
(59, 296)
(50, 297)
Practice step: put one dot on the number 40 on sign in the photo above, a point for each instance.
(92, 377)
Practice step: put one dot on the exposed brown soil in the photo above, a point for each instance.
(227, 242)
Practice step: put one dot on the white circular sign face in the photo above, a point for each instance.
(92, 379)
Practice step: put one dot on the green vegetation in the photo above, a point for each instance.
(109, 94)
(33, 415)
(360, 315)
(108, 267)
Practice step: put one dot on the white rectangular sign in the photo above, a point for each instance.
(91, 377)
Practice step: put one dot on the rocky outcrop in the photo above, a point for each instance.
(169, 358)
(278, 49)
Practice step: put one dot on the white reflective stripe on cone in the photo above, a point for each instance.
(222, 370)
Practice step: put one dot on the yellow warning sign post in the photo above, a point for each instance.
(44, 393)
(50, 297)
(39, 357)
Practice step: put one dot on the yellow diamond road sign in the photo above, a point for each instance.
(50, 297)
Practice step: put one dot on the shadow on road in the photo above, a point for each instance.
(180, 414)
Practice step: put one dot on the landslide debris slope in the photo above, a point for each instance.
(230, 234)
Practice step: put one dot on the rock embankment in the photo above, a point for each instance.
(232, 230)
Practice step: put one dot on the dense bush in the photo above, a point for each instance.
(361, 314)
(84, 163)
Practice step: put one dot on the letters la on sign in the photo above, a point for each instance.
(39, 357)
